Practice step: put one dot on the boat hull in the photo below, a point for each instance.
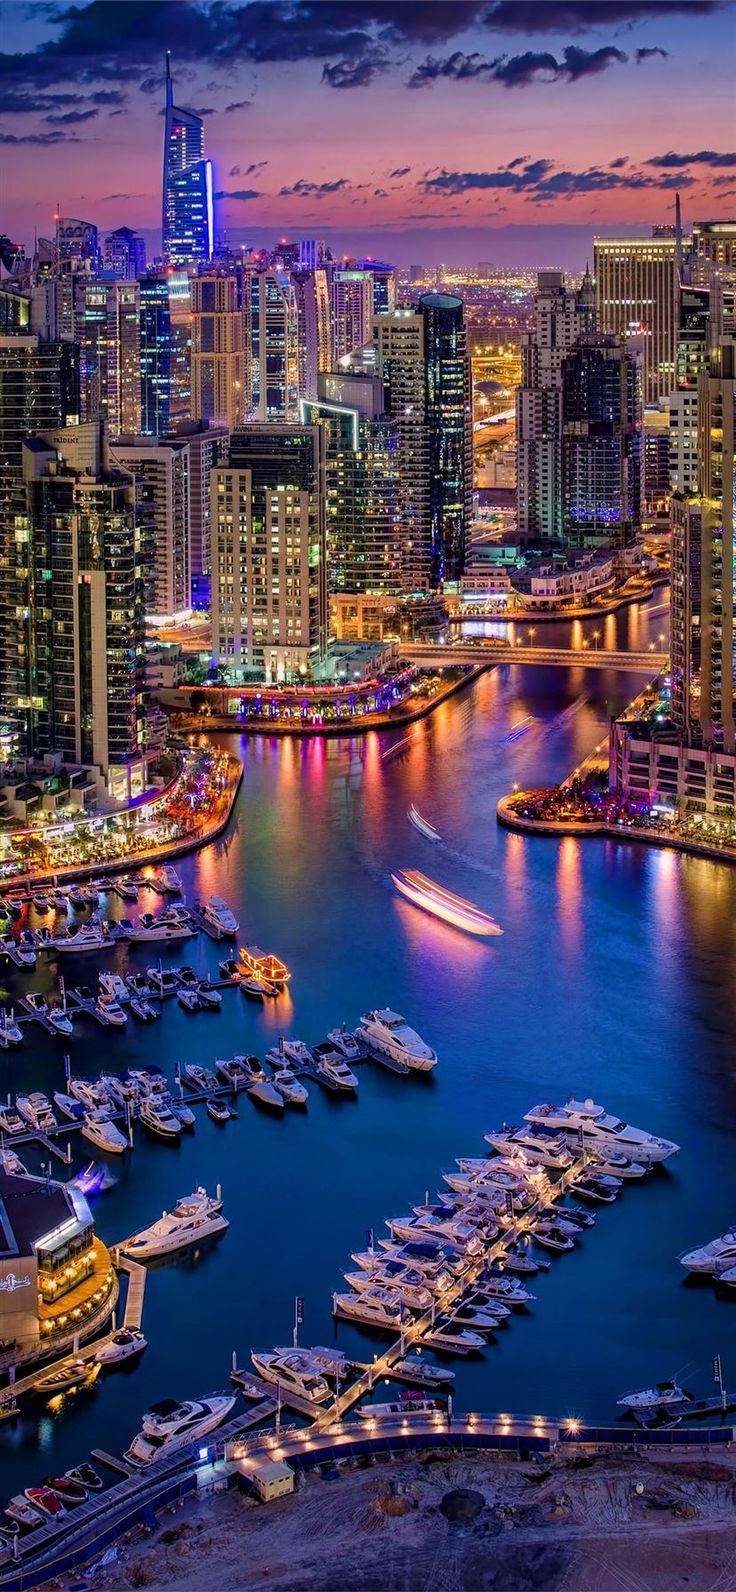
(438, 903)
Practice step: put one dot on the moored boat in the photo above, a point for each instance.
(172, 1424)
(387, 1033)
(264, 966)
(218, 920)
(441, 903)
(123, 1345)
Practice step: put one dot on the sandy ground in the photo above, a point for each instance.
(382, 1529)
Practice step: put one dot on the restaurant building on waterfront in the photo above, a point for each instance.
(56, 1276)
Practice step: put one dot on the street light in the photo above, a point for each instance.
(596, 636)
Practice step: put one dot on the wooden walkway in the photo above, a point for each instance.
(136, 1289)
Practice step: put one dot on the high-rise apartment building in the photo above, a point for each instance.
(693, 347)
(384, 285)
(161, 470)
(313, 328)
(206, 445)
(351, 293)
(124, 254)
(602, 442)
(562, 314)
(188, 200)
(362, 500)
(399, 342)
(270, 310)
(714, 249)
(637, 287)
(155, 355)
(269, 586)
(218, 364)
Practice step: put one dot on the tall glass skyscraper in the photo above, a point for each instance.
(448, 415)
(187, 222)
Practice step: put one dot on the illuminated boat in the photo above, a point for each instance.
(422, 824)
(441, 903)
(263, 967)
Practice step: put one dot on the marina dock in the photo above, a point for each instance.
(137, 1276)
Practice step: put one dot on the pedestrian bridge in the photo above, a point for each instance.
(483, 653)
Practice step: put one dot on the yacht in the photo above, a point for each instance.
(100, 1131)
(549, 1147)
(246, 1072)
(139, 986)
(119, 1088)
(346, 1043)
(332, 1070)
(159, 1119)
(599, 1127)
(264, 966)
(412, 1291)
(478, 1313)
(441, 903)
(493, 1176)
(456, 1234)
(294, 1371)
(170, 880)
(60, 1021)
(199, 1078)
(115, 987)
(10, 1033)
(289, 1087)
(422, 824)
(68, 1106)
(35, 1004)
(218, 921)
(82, 937)
(509, 1292)
(663, 1396)
(164, 926)
(163, 980)
(10, 1162)
(193, 1219)
(109, 1013)
(290, 1053)
(454, 1339)
(35, 1110)
(377, 1307)
(90, 1091)
(421, 1372)
(388, 1033)
(613, 1163)
(717, 1256)
(127, 890)
(189, 999)
(123, 1345)
(407, 1404)
(170, 1425)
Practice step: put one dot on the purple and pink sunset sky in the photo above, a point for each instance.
(454, 130)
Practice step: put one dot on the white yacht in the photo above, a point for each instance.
(163, 927)
(377, 1307)
(68, 1106)
(218, 920)
(289, 1087)
(663, 1396)
(599, 1127)
(549, 1147)
(193, 1219)
(115, 987)
(109, 1012)
(341, 1039)
(456, 1234)
(34, 1108)
(60, 1021)
(159, 1119)
(82, 937)
(170, 880)
(613, 1163)
(413, 1293)
(100, 1131)
(123, 1345)
(294, 1371)
(90, 1091)
(398, 1409)
(10, 1122)
(421, 1372)
(170, 1425)
(289, 1052)
(199, 1078)
(717, 1256)
(453, 1338)
(333, 1071)
(10, 1033)
(385, 1031)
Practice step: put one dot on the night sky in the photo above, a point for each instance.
(508, 130)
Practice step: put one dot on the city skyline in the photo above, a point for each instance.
(440, 132)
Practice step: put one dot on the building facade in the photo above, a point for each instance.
(187, 220)
(362, 492)
(218, 363)
(562, 314)
(161, 469)
(602, 443)
(637, 288)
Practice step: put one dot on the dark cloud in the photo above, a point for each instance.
(237, 105)
(238, 193)
(518, 71)
(560, 16)
(400, 171)
(702, 157)
(39, 138)
(109, 96)
(69, 118)
(354, 74)
(644, 55)
(380, 193)
(457, 66)
(619, 162)
(315, 190)
(541, 182)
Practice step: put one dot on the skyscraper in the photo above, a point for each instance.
(364, 552)
(271, 320)
(352, 307)
(693, 344)
(161, 470)
(269, 586)
(562, 314)
(313, 327)
(384, 285)
(218, 364)
(156, 355)
(399, 342)
(637, 286)
(187, 222)
(449, 430)
(602, 443)
(124, 254)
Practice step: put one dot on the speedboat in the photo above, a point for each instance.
(332, 1070)
(293, 1370)
(520, 1262)
(290, 1052)
(717, 1256)
(189, 999)
(663, 1396)
(291, 1090)
(218, 920)
(377, 1307)
(509, 1292)
(182, 1111)
(406, 1404)
(422, 824)
(143, 1010)
(441, 903)
(159, 1119)
(139, 985)
(59, 1020)
(20, 1512)
(600, 1128)
(256, 988)
(100, 1131)
(420, 1371)
(193, 1219)
(112, 985)
(170, 880)
(385, 1031)
(199, 1077)
(552, 1236)
(218, 1110)
(602, 1190)
(109, 1013)
(35, 1110)
(123, 1346)
(228, 967)
(170, 1425)
(10, 1122)
(46, 1501)
(10, 1033)
(346, 1043)
(87, 1475)
(246, 1072)
(550, 1148)
(209, 997)
(478, 1315)
(77, 1374)
(453, 1338)
(68, 1106)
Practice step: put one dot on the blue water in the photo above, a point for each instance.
(614, 978)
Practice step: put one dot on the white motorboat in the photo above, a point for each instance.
(189, 999)
(109, 1012)
(294, 1371)
(601, 1190)
(378, 1307)
(456, 1234)
(549, 1147)
(35, 1110)
(35, 1004)
(289, 1053)
(663, 1396)
(504, 1288)
(21, 955)
(170, 880)
(99, 1130)
(192, 1220)
(612, 1163)
(199, 1078)
(68, 1106)
(333, 1071)
(10, 1162)
(10, 1033)
(218, 920)
(127, 890)
(422, 1372)
(143, 1010)
(553, 1236)
(59, 1020)
(218, 1110)
(246, 1072)
(717, 1256)
(91, 1091)
(182, 1111)
(162, 980)
(170, 1425)
(123, 1345)
(119, 1088)
(346, 1043)
(292, 1091)
(454, 1339)
(163, 927)
(398, 1409)
(159, 1119)
(115, 987)
(477, 1316)
(494, 1175)
(422, 824)
(385, 1031)
(597, 1127)
(10, 1122)
(81, 937)
(413, 1292)
(209, 998)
